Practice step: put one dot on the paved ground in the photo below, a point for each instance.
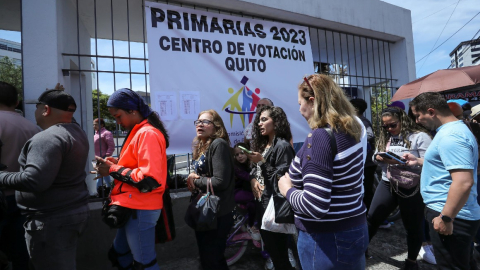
(388, 249)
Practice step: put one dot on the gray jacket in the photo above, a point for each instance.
(219, 161)
(52, 176)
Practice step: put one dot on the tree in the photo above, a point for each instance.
(107, 117)
(11, 73)
(379, 98)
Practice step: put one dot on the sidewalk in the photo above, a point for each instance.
(388, 248)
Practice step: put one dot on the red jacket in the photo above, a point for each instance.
(144, 152)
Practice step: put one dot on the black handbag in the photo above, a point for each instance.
(116, 216)
(283, 209)
(202, 212)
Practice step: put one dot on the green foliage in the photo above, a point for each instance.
(11, 73)
(107, 117)
(379, 98)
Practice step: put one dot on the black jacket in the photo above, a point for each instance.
(219, 161)
(277, 162)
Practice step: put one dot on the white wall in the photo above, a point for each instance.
(49, 28)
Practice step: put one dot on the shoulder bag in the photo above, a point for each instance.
(202, 212)
(401, 177)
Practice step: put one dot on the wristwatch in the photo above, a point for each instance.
(446, 219)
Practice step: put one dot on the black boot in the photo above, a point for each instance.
(409, 265)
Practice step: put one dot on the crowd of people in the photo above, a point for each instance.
(428, 159)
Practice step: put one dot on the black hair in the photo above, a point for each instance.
(100, 121)
(269, 100)
(281, 127)
(8, 94)
(427, 100)
(359, 104)
(154, 120)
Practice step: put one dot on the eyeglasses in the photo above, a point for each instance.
(205, 122)
(392, 125)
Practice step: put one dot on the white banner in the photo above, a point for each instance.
(202, 60)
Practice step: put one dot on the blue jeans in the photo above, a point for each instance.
(104, 181)
(137, 239)
(333, 250)
(52, 240)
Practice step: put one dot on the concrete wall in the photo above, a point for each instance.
(98, 238)
(49, 29)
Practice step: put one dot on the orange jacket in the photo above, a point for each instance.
(144, 153)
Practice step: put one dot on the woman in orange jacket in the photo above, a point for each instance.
(140, 178)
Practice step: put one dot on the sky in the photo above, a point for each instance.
(429, 23)
(429, 18)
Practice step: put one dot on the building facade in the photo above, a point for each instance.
(12, 50)
(366, 46)
(467, 53)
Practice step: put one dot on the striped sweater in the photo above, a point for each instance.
(327, 193)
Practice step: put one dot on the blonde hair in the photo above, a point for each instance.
(330, 106)
(199, 146)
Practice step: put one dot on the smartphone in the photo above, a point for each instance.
(245, 149)
(391, 155)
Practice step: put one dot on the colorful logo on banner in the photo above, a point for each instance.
(248, 100)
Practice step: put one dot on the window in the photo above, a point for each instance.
(460, 60)
(475, 55)
(461, 65)
(475, 49)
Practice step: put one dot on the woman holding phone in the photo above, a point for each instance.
(272, 156)
(140, 174)
(399, 135)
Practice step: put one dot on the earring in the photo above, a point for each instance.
(133, 113)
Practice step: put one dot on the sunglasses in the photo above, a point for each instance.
(392, 125)
(204, 122)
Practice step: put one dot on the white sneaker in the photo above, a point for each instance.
(269, 264)
(254, 233)
(426, 253)
(291, 258)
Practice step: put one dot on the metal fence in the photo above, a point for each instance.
(118, 58)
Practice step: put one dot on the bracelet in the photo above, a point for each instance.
(261, 162)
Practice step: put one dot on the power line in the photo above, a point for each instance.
(468, 45)
(436, 12)
(448, 38)
(440, 35)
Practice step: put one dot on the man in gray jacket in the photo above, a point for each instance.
(50, 187)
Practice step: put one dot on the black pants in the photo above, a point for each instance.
(453, 251)
(411, 210)
(276, 244)
(212, 244)
(368, 179)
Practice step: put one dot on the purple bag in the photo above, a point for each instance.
(399, 176)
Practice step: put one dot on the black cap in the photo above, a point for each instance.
(57, 99)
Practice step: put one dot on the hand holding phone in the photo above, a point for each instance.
(393, 156)
(245, 149)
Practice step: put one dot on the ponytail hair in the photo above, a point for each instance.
(154, 120)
